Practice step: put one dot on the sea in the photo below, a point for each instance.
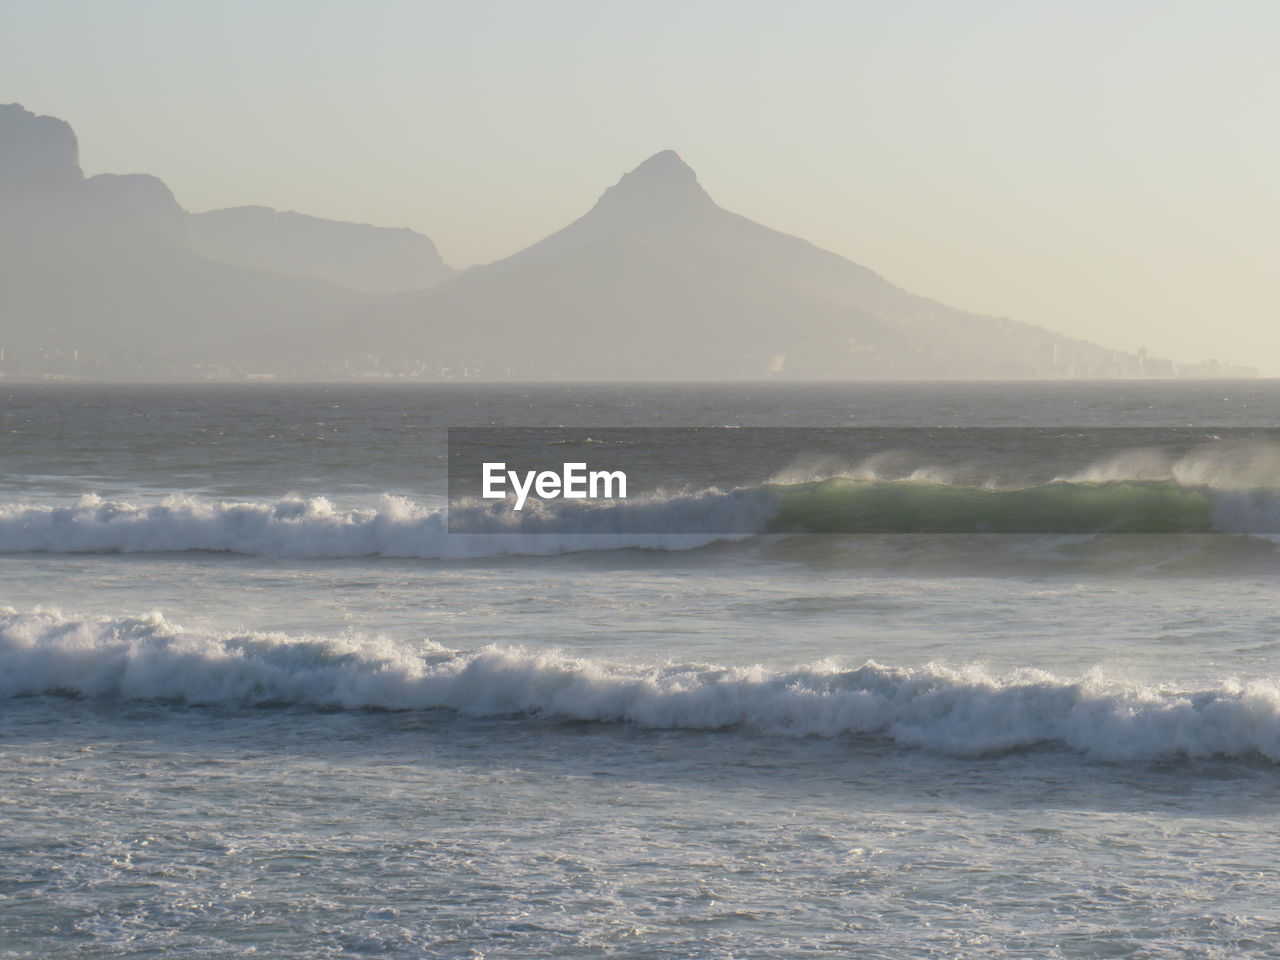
(259, 699)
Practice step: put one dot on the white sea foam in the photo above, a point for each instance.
(965, 710)
(397, 527)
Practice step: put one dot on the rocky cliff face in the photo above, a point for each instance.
(95, 277)
(109, 276)
(36, 153)
(39, 163)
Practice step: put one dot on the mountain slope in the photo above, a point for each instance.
(95, 279)
(98, 276)
(372, 259)
(109, 276)
(657, 281)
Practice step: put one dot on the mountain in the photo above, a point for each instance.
(110, 277)
(94, 277)
(139, 200)
(36, 153)
(658, 282)
(101, 277)
(373, 259)
(356, 255)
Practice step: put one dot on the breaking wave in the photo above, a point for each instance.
(399, 527)
(962, 711)
(840, 505)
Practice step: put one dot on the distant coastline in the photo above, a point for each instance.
(108, 278)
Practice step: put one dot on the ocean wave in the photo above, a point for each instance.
(956, 710)
(841, 505)
(398, 527)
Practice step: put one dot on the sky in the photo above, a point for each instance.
(1104, 169)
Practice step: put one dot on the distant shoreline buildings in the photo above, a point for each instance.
(74, 365)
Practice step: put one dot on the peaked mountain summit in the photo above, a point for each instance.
(656, 281)
(663, 190)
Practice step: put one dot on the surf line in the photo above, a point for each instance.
(573, 482)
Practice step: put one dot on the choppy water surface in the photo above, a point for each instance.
(258, 702)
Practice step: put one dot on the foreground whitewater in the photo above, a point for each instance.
(964, 710)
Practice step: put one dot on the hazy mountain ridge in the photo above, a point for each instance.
(657, 282)
(110, 277)
(357, 255)
(140, 198)
(99, 275)
(363, 257)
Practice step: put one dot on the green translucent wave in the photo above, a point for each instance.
(1127, 506)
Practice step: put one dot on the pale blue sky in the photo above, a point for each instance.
(1106, 169)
